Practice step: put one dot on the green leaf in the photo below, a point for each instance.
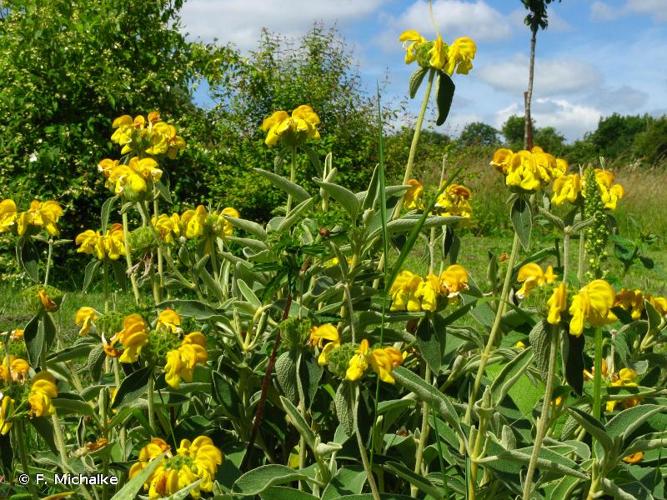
(106, 210)
(431, 343)
(422, 484)
(248, 294)
(262, 478)
(72, 404)
(132, 387)
(416, 80)
(285, 493)
(28, 257)
(539, 341)
(89, 273)
(574, 361)
(132, 487)
(654, 317)
(163, 190)
(522, 220)
(294, 190)
(34, 339)
(286, 375)
(344, 196)
(299, 422)
(95, 362)
(548, 461)
(510, 373)
(347, 481)
(611, 488)
(445, 96)
(295, 214)
(248, 226)
(344, 404)
(593, 427)
(224, 393)
(195, 309)
(184, 492)
(372, 191)
(629, 420)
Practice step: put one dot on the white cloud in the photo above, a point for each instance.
(572, 120)
(455, 18)
(657, 9)
(240, 21)
(552, 76)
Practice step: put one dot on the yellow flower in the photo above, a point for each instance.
(460, 56)
(411, 41)
(6, 410)
(523, 172)
(630, 300)
(519, 345)
(592, 304)
(545, 164)
(205, 457)
(659, 303)
(413, 196)
(609, 191)
(48, 304)
(192, 222)
(227, 227)
(634, 458)
(293, 129)
(114, 242)
(181, 362)
(133, 336)
(43, 215)
(626, 377)
(557, 304)
(42, 391)
(403, 292)
(167, 226)
(169, 320)
(359, 362)
(455, 201)
(384, 360)
(17, 335)
(17, 370)
(324, 334)
(428, 291)
(124, 180)
(502, 159)
(532, 276)
(146, 168)
(566, 188)
(438, 54)
(323, 358)
(90, 242)
(454, 279)
(7, 215)
(85, 317)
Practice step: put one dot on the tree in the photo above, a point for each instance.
(615, 134)
(536, 19)
(513, 130)
(282, 74)
(651, 144)
(67, 69)
(479, 134)
(550, 140)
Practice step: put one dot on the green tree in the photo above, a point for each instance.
(536, 19)
(615, 134)
(479, 134)
(651, 144)
(67, 68)
(550, 140)
(317, 70)
(513, 131)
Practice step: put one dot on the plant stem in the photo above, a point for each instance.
(495, 328)
(160, 264)
(116, 373)
(423, 436)
(415, 139)
(362, 449)
(23, 454)
(128, 260)
(566, 253)
(350, 312)
(581, 265)
(302, 411)
(597, 375)
(292, 177)
(48, 262)
(59, 440)
(544, 416)
(151, 404)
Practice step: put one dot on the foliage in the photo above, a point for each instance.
(479, 134)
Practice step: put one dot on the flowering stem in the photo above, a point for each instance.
(128, 260)
(597, 375)
(423, 436)
(362, 449)
(48, 262)
(302, 411)
(116, 373)
(544, 416)
(350, 312)
(151, 404)
(566, 253)
(415, 139)
(495, 328)
(292, 177)
(581, 267)
(156, 213)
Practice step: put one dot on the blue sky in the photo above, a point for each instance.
(596, 58)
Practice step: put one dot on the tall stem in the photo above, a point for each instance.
(528, 96)
(48, 262)
(362, 450)
(566, 254)
(292, 177)
(495, 328)
(544, 416)
(23, 453)
(160, 264)
(302, 411)
(151, 404)
(128, 260)
(415, 139)
(581, 265)
(423, 436)
(122, 436)
(597, 375)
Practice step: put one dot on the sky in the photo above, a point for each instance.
(597, 57)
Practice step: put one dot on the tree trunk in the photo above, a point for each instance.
(528, 95)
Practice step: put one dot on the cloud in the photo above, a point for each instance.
(572, 120)
(240, 21)
(621, 99)
(657, 9)
(552, 76)
(455, 18)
